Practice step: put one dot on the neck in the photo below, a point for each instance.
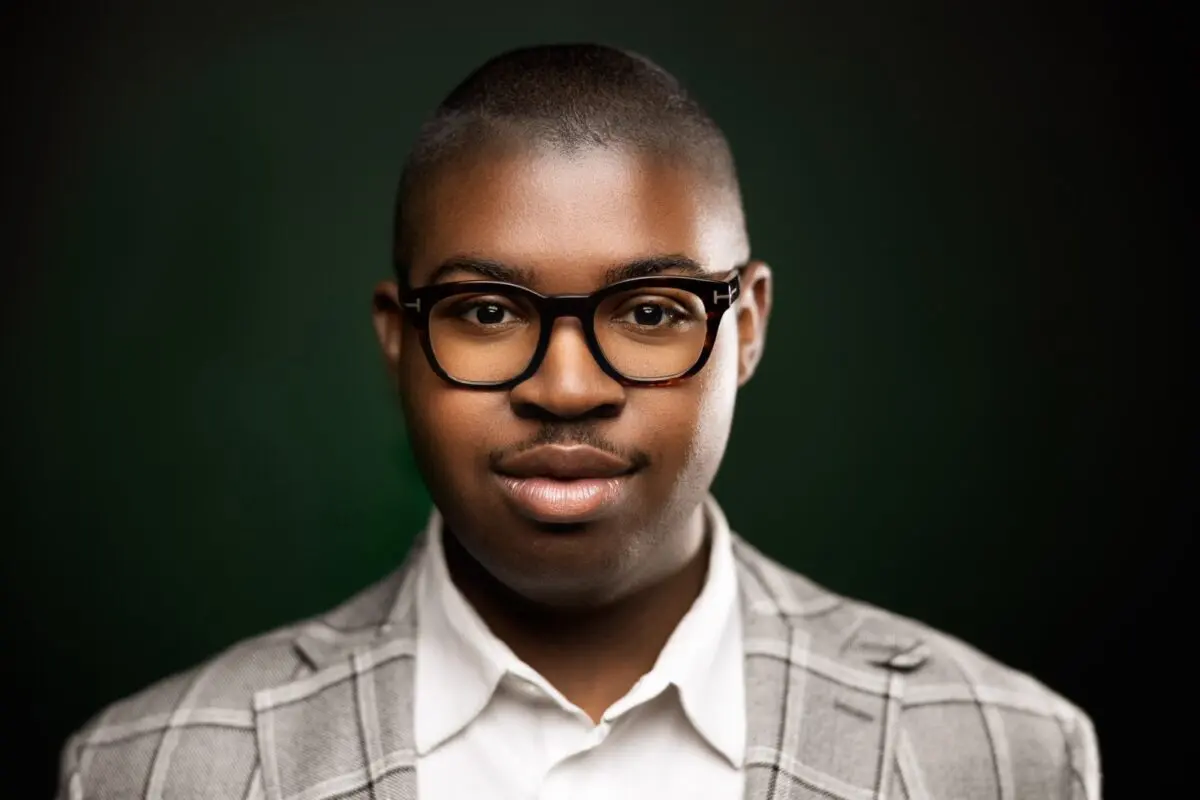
(593, 654)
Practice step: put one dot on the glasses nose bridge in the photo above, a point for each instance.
(550, 310)
(565, 306)
(555, 307)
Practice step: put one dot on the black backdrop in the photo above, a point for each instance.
(975, 408)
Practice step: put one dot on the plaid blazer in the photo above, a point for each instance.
(844, 701)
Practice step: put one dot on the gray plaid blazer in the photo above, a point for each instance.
(843, 701)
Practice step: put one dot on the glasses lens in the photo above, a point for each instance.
(652, 333)
(483, 338)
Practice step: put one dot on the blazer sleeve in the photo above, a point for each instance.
(1083, 753)
(70, 782)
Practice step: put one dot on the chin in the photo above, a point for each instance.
(562, 563)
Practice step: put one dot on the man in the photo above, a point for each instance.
(574, 310)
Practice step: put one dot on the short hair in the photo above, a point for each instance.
(568, 97)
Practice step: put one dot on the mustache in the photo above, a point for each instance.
(570, 435)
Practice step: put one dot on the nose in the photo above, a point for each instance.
(568, 384)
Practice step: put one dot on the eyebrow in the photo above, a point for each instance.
(655, 265)
(486, 268)
(493, 270)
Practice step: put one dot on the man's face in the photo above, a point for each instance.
(565, 221)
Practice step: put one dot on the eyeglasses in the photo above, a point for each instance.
(652, 331)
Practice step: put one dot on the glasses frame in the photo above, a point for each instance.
(718, 296)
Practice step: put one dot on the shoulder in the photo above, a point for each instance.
(939, 669)
(970, 725)
(197, 722)
(193, 733)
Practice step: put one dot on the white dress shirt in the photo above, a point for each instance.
(487, 725)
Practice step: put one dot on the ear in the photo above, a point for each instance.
(753, 309)
(389, 324)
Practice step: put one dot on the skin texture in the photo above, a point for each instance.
(590, 607)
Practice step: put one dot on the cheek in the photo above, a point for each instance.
(446, 426)
(692, 421)
(717, 395)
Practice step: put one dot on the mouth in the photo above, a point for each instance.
(555, 501)
(564, 485)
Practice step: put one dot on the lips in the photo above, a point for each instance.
(564, 484)
(564, 463)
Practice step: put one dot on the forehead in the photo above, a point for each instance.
(567, 218)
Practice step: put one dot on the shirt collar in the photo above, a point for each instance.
(460, 662)
(704, 657)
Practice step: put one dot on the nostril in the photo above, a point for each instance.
(558, 411)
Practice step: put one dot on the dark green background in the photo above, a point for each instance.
(972, 408)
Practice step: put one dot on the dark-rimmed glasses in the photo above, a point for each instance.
(653, 331)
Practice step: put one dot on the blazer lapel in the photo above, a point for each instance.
(822, 690)
(344, 726)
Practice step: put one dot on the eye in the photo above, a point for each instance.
(485, 312)
(653, 313)
(649, 314)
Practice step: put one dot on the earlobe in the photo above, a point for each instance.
(389, 323)
(754, 309)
